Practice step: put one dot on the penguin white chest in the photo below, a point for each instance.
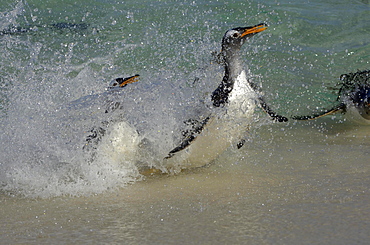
(242, 98)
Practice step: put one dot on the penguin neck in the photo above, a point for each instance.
(233, 69)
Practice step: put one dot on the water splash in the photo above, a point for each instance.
(46, 124)
(45, 128)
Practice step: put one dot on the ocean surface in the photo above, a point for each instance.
(299, 182)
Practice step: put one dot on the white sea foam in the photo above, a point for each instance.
(45, 151)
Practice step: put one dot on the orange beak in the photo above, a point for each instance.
(254, 29)
(128, 80)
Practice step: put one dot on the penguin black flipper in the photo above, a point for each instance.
(270, 112)
(335, 109)
(189, 135)
(265, 107)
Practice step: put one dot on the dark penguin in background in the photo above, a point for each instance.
(353, 99)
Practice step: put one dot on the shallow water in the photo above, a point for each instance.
(291, 183)
(285, 188)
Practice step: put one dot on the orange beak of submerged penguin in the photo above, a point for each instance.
(128, 80)
(254, 29)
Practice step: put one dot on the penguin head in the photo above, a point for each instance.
(235, 38)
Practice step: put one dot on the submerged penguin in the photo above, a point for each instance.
(205, 138)
(97, 133)
(353, 99)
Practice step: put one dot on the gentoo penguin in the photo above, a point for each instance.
(205, 138)
(234, 101)
(353, 99)
(116, 85)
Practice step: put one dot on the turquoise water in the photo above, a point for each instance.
(296, 182)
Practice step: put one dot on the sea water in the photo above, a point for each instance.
(294, 182)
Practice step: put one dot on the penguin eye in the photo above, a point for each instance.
(114, 84)
(235, 35)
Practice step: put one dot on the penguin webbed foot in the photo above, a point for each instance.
(240, 144)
